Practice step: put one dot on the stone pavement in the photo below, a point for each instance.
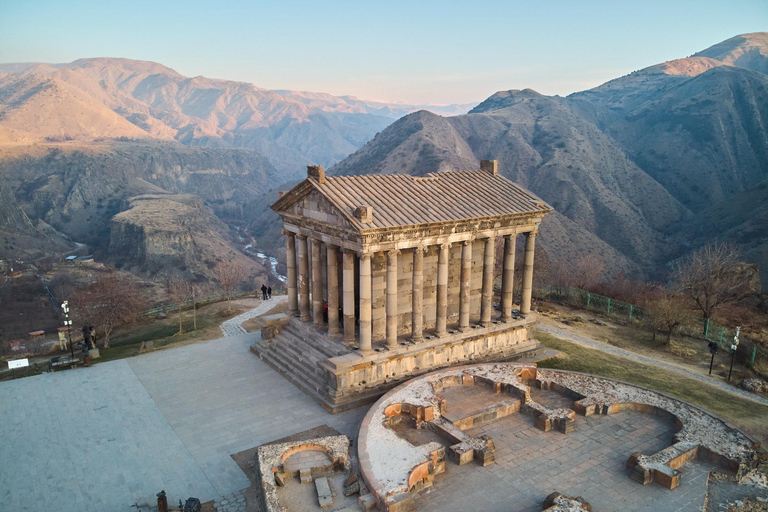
(115, 434)
(233, 327)
(581, 340)
(589, 462)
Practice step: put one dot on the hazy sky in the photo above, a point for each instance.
(414, 51)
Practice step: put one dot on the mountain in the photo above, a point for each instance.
(625, 164)
(290, 128)
(749, 51)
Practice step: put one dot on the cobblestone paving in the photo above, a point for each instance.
(233, 327)
(234, 502)
(581, 340)
(589, 462)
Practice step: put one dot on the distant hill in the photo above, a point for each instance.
(625, 164)
(290, 128)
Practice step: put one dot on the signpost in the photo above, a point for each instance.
(734, 346)
(68, 325)
(18, 363)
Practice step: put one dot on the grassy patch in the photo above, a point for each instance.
(749, 416)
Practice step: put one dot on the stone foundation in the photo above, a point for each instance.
(340, 378)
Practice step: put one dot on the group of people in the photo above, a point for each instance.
(266, 292)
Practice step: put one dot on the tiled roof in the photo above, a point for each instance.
(402, 199)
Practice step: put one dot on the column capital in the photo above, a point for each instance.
(510, 236)
(533, 233)
(285, 232)
(445, 245)
(365, 255)
(332, 246)
(300, 236)
(421, 247)
(393, 252)
(468, 242)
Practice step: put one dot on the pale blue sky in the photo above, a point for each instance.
(421, 52)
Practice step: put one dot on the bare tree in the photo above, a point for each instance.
(179, 291)
(587, 271)
(230, 274)
(108, 303)
(714, 276)
(666, 309)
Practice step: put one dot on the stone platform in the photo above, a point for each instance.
(341, 378)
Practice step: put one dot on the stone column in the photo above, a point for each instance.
(303, 280)
(466, 282)
(442, 290)
(317, 286)
(332, 260)
(392, 298)
(349, 296)
(489, 263)
(290, 256)
(508, 278)
(365, 302)
(530, 243)
(417, 297)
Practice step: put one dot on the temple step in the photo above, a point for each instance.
(306, 333)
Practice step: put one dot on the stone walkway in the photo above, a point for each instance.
(587, 342)
(233, 326)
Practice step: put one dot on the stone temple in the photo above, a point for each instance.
(392, 276)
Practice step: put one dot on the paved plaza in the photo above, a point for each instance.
(115, 434)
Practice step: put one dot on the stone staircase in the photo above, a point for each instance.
(296, 352)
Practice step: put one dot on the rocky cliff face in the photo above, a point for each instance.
(78, 189)
(160, 235)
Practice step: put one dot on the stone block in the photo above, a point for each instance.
(460, 454)
(305, 475)
(324, 496)
(543, 423)
(367, 502)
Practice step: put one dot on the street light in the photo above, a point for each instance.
(733, 351)
(68, 324)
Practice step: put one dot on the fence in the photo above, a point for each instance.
(202, 301)
(747, 351)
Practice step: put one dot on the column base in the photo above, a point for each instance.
(334, 334)
(464, 328)
(305, 318)
(416, 339)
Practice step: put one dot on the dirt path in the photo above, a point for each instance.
(587, 342)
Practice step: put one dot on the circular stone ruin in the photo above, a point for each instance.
(530, 432)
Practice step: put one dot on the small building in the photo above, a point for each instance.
(395, 275)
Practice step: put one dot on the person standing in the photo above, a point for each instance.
(263, 292)
(86, 356)
(269, 292)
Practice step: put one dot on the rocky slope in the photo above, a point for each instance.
(73, 191)
(160, 235)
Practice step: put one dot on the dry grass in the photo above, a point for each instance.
(747, 415)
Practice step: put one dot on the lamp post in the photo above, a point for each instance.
(68, 324)
(733, 351)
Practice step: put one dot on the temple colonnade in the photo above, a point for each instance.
(306, 268)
